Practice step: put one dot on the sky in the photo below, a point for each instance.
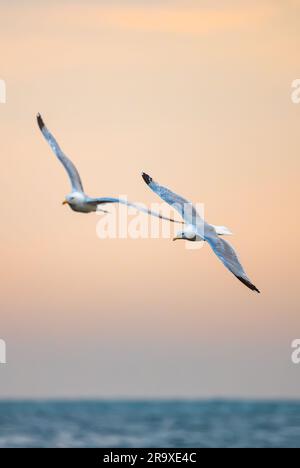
(198, 95)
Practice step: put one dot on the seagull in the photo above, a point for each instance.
(77, 200)
(197, 229)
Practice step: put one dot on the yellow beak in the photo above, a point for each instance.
(65, 202)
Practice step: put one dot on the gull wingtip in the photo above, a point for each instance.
(254, 288)
(248, 283)
(40, 121)
(146, 178)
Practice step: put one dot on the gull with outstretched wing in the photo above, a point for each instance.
(197, 229)
(77, 199)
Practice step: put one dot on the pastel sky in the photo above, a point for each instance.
(197, 94)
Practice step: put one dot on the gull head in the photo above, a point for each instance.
(74, 199)
(188, 233)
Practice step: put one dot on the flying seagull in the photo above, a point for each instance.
(77, 199)
(198, 230)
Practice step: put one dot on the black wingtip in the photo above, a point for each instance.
(40, 121)
(248, 284)
(146, 178)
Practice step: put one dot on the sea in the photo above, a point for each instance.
(133, 424)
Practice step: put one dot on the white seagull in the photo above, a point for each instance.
(77, 199)
(197, 229)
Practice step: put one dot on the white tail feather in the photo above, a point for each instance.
(223, 231)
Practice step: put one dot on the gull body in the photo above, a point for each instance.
(190, 233)
(77, 199)
(77, 202)
(196, 229)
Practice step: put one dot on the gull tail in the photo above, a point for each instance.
(223, 231)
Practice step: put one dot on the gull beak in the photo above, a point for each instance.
(175, 238)
(65, 202)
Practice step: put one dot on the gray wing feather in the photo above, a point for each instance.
(66, 162)
(184, 207)
(229, 258)
(104, 200)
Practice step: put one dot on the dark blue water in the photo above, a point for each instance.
(149, 424)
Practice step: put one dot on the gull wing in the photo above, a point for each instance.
(184, 207)
(66, 162)
(104, 200)
(228, 256)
